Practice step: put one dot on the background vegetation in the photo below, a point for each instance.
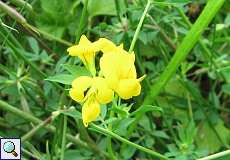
(183, 112)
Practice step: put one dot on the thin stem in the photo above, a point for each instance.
(35, 129)
(109, 133)
(22, 3)
(118, 10)
(12, 13)
(7, 107)
(83, 15)
(31, 118)
(63, 137)
(207, 53)
(109, 142)
(217, 155)
(183, 50)
(47, 35)
(189, 107)
(139, 27)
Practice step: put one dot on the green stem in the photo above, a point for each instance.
(109, 142)
(207, 53)
(217, 155)
(139, 27)
(47, 35)
(83, 15)
(118, 10)
(63, 137)
(183, 50)
(22, 3)
(109, 133)
(35, 129)
(12, 13)
(7, 107)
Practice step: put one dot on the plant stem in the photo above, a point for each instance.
(109, 142)
(22, 3)
(207, 53)
(118, 10)
(12, 13)
(139, 27)
(48, 36)
(63, 137)
(83, 15)
(217, 155)
(35, 129)
(109, 133)
(31, 118)
(7, 107)
(183, 50)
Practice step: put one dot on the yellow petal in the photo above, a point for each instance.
(106, 46)
(79, 86)
(127, 88)
(90, 110)
(118, 66)
(103, 93)
(84, 40)
(76, 95)
(85, 50)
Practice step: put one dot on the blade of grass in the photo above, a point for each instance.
(183, 50)
(217, 155)
(207, 53)
(80, 27)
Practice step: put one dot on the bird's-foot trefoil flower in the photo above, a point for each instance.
(91, 92)
(117, 74)
(120, 72)
(86, 51)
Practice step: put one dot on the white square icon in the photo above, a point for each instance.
(10, 148)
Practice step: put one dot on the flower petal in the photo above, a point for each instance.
(127, 88)
(104, 93)
(90, 110)
(118, 66)
(79, 86)
(105, 45)
(85, 50)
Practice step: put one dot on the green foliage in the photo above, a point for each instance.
(182, 114)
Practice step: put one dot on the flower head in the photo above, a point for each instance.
(91, 91)
(117, 74)
(120, 72)
(86, 51)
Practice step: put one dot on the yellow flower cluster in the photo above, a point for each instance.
(117, 75)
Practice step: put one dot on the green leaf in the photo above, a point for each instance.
(146, 108)
(76, 70)
(226, 88)
(33, 44)
(72, 112)
(62, 78)
(103, 7)
(207, 138)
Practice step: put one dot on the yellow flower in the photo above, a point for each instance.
(91, 91)
(107, 46)
(90, 110)
(86, 51)
(120, 72)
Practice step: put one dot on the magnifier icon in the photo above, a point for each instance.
(9, 147)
